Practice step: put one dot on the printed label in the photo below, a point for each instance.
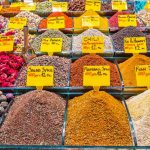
(96, 76)
(55, 23)
(51, 45)
(119, 5)
(143, 75)
(135, 45)
(127, 20)
(17, 23)
(6, 43)
(40, 76)
(60, 6)
(94, 5)
(93, 44)
(90, 21)
(29, 7)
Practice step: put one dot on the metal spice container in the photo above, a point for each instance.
(35, 118)
(66, 46)
(61, 70)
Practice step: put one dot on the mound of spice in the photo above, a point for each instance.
(61, 69)
(127, 68)
(76, 5)
(118, 38)
(103, 21)
(33, 19)
(97, 119)
(139, 108)
(44, 7)
(66, 46)
(68, 20)
(19, 39)
(113, 21)
(10, 66)
(35, 118)
(92, 60)
(77, 40)
(3, 23)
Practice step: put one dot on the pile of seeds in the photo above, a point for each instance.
(92, 60)
(36, 45)
(118, 38)
(76, 5)
(35, 118)
(97, 119)
(3, 23)
(33, 19)
(44, 7)
(139, 108)
(77, 40)
(61, 69)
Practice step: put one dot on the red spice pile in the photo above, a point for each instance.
(68, 20)
(92, 60)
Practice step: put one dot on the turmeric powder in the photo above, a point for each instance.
(78, 22)
(97, 119)
(127, 68)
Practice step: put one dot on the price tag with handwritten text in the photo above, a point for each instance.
(94, 5)
(60, 6)
(119, 5)
(135, 45)
(96, 76)
(93, 44)
(40, 76)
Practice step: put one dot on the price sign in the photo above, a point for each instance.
(40, 76)
(90, 21)
(119, 5)
(56, 22)
(135, 45)
(17, 23)
(93, 44)
(96, 76)
(18, 4)
(143, 75)
(59, 6)
(51, 45)
(94, 5)
(6, 43)
(29, 7)
(127, 20)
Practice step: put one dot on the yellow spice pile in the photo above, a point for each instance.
(127, 68)
(97, 119)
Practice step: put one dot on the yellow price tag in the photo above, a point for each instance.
(40, 76)
(56, 22)
(90, 21)
(96, 76)
(51, 45)
(94, 5)
(29, 7)
(93, 44)
(119, 5)
(135, 45)
(17, 23)
(142, 75)
(59, 6)
(6, 43)
(127, 20)
(18, 4)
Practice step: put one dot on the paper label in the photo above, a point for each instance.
(143, 75)
(40, 76)
(6, 43)
(94, 5)
(90, 21)
(60, 6)
(17, 23)
(135, 45)
(51, 45)
(127, 20)
(93, 44)
(29, 7)
(96, 76)
(17, 4)
(119, 5)
(56, 22)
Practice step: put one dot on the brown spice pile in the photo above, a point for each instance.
(92, 60)
(97, 119)
(35, 118)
